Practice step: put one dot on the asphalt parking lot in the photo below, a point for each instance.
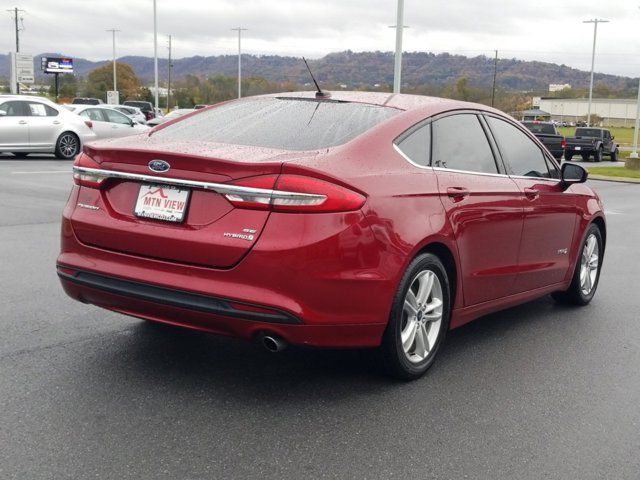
(538, 391)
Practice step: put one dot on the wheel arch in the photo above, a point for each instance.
(446, 256)
(600, 223)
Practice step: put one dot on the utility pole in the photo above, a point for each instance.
(399, 26)
(169, 79)
(595, 22)
(239, 30)
(495, 74)
(16, 15)
(113, 35)
(634, 154)
(155, 52)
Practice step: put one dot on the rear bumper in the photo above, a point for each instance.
(579, 149)
(323, 290)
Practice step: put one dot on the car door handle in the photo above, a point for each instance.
(114, 126)
(457, 192)
(56, 122)
(531, 193)
(22, 122)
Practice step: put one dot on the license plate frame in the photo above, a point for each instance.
(165, 203)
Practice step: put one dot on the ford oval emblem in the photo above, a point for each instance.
(159, 166)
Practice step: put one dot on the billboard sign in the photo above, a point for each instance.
(57, 65)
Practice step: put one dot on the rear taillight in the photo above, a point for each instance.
(563, 143)
(87, 179)
(88, 123)
(294, 194)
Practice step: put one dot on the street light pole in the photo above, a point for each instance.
(239, 30)
(397, 70)
(595, 22)
(169, 80)
(115, 81)
(155, 52)
(634, 154)
(495, 74)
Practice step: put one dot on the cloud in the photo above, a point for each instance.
(546, 30)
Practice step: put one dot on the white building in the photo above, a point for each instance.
(616, 112)
(558, 87)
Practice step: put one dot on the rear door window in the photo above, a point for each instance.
(93, 114)
(36, 109)
(460, 143)
(523, 157)
(116, 117)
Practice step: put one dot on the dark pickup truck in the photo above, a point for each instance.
(546, 132)
(589, 141)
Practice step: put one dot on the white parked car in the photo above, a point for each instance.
(170, 116)
(108, 122)
(132, 112)
(30, 124)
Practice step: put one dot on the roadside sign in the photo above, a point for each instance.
(113, 97)
(22, 66)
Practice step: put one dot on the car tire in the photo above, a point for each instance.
(568, 157)
(67, 146)
(587, 271)
(597, 157)
(419, 319)
(20, 154)
(614, 155)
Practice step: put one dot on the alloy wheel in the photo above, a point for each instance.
(589, 264)
(68, 145)
(422, 316)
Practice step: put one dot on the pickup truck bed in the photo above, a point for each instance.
(549, 136)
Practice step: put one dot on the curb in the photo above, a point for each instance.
(614, 179)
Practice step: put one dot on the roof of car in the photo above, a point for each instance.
(401, 101)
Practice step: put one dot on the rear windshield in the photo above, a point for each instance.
(288, 124)
(542, 128)
(588, 132)
(86, 101)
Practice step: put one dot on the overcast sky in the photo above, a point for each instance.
(547, 30)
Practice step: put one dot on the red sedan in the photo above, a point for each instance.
(360, 220)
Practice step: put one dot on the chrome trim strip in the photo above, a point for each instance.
(404, 155)
(222, 188)
(471, 172)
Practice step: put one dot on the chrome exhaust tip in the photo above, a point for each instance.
(273, 344)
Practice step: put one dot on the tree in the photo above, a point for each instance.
(100, 80)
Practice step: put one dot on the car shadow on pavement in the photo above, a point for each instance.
(149, 354)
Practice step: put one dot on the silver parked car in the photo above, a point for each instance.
(170, 116)
(30, 124)
(132, 112)
(108, 122)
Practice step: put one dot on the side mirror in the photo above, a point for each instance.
(613, 137)
(571, 173)
(3, 113)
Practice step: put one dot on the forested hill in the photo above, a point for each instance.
(364, 69)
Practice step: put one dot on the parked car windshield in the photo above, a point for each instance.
(588, 132)
(540, 128)
(283, 123)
